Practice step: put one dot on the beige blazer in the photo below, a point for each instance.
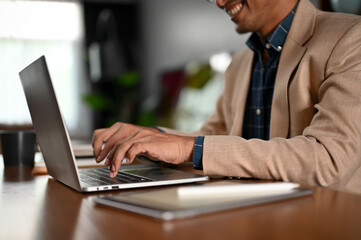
(316, 111)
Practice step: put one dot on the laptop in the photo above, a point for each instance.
(58, 154)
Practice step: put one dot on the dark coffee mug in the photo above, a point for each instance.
(18, 148)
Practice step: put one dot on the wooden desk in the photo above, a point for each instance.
(38, 207)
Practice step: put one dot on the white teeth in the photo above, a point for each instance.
(235, 9)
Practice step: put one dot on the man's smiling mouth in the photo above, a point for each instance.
(234, 9)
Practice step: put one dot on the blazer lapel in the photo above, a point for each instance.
(280, 109)
(292, 53)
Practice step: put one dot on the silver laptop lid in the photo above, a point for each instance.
(48, 123)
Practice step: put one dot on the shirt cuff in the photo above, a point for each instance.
(160, 130)
(198, 153)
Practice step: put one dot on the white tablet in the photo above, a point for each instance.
(181, 202)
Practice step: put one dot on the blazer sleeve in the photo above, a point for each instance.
(328, 153)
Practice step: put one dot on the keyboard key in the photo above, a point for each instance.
(100, 176)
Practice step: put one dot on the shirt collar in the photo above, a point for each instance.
(276, 38)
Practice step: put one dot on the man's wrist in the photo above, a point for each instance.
(198, 153)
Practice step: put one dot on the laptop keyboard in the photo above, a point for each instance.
(100, 176)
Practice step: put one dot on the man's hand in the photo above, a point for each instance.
(126, 141)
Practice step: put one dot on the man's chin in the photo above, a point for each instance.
(242, 30)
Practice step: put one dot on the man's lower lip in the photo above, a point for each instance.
(233, 17)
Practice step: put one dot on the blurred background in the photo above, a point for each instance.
(148, 62)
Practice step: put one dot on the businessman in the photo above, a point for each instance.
(290, 110)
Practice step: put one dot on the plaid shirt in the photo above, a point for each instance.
(257, 115)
